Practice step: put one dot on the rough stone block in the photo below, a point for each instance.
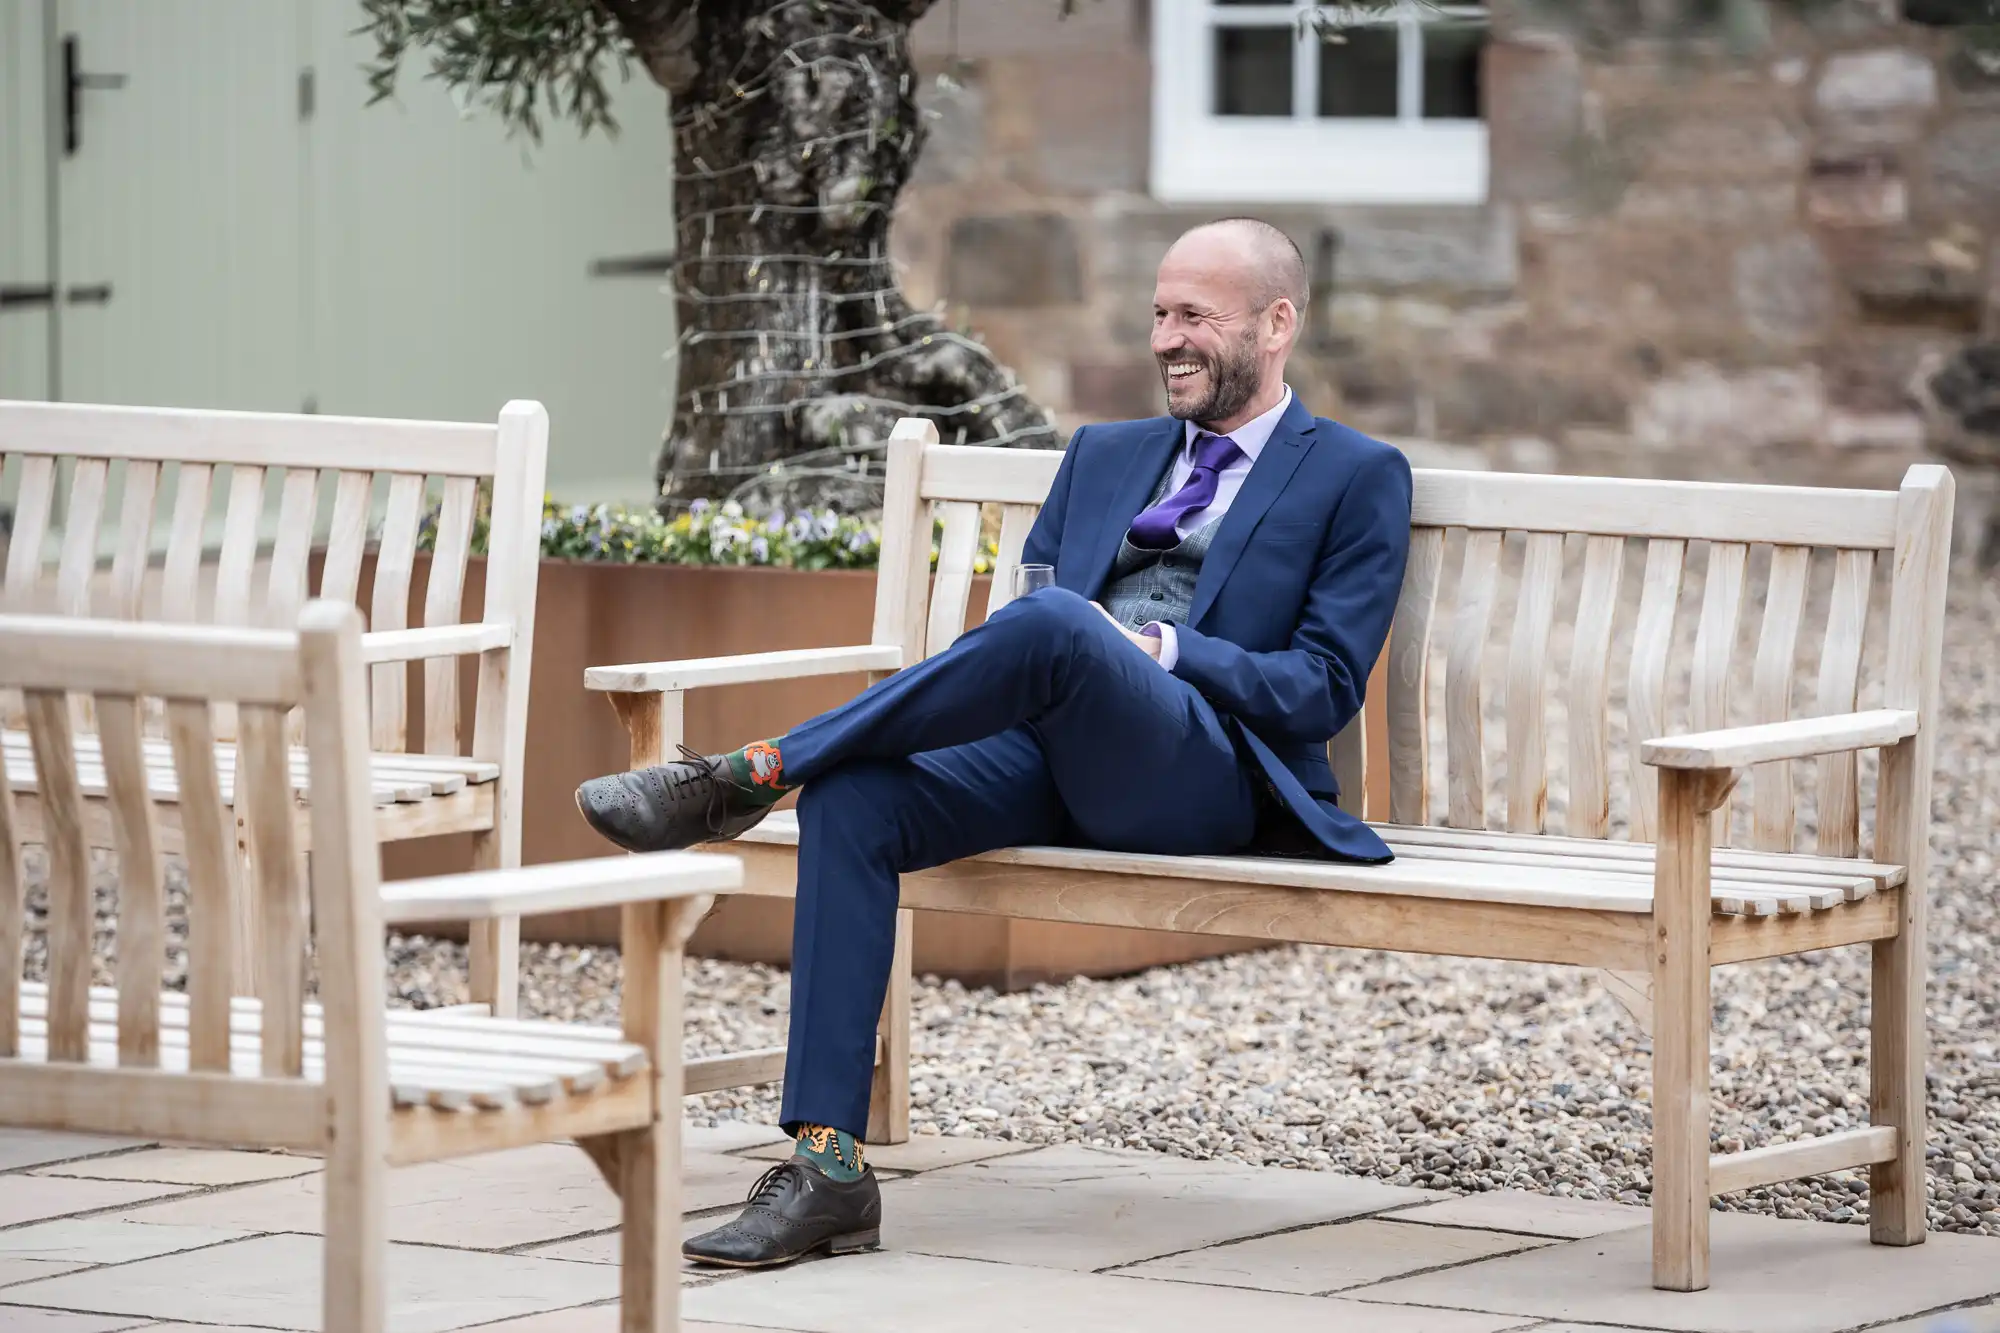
(1093, 119)
(1858, 191)
(1784, 288)
(1933, 284)
(1116, 389)
(1725, 145)
(953, 107)
(1534, 99)
(1965, 164)
(1014, 260)
(1876, 82)
(1703, 407)
(1705, 205)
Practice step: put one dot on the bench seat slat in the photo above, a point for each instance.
(1534, 878)
(451, 1062)
(395, 778)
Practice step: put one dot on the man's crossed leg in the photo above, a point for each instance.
(1044, 725)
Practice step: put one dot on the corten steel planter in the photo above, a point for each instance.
(591, 614)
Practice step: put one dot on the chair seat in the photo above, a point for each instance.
(442, 1059)
(1470, 865)
(395, 778)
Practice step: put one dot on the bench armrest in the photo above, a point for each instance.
(743, 669)
(1739, 747)
(563, 886)
(410, 645)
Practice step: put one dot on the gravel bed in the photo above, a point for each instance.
(1437, 1072)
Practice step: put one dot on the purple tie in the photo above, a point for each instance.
(1154, 529)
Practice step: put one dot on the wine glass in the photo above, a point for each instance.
(1029, 578)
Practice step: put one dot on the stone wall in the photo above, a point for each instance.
(1688, 265)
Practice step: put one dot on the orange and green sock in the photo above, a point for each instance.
(759, 769)
(834, 1151)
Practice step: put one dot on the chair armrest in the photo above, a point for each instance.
(563, 886)
(410, 645)
(1739, 747)
(743, 669)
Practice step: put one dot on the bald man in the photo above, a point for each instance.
(1225, 579)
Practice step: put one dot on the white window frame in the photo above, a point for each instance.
(1199, 157)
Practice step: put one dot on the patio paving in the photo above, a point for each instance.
(111, 1236)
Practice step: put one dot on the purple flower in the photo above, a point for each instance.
(698, 508)
(760, 550)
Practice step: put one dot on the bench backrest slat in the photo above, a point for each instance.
(1590, 689)
(958, 548)
(1546, 579)
(1016, 522)
(395, 563)
(1839, 689)
(1527, 685)
(1771, 692)
(1465, 682)
(443, 596)
(1646, 690)
(1409, 683)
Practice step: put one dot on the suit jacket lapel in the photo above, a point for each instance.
(1274, 467)
(1149, 459)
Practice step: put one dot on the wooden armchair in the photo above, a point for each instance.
(338, 1075)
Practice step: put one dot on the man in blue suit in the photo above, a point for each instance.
(1225, 580)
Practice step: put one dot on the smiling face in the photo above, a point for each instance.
(1222, 326)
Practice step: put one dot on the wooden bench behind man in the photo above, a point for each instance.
(1636, 869)
(139, 484)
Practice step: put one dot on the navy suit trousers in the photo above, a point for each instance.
(1043, 725)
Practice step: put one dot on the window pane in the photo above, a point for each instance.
(1253, 71)
(1451, 71)
(1357, 75)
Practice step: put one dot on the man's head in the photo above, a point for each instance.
(1226, 311)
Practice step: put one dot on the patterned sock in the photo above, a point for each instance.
(759, 769)
(833, 1151)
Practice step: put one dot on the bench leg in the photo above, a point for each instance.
(355, 1295)
(648, 1159)
(495, 945)
(1681, 1015)
(1898, 1192)
(889, 1096)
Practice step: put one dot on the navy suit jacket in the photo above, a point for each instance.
(1294, 599)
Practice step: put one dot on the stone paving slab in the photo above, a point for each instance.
(493, 1201)
(34, 1147)
(106, 1240)
(199, 1167)
(730, 1136)
(596, 1319)
(1530, 1214)
(274, 1282)
(21, 1319)
(30, 1198)
(1766, 1275)
(1090, 1208)
(27, 1270)
(913, 1293)
(1981, 1318)
(187, 1166)
(929, 1152)
(1318, 1260)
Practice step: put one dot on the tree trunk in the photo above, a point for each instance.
(797, 131)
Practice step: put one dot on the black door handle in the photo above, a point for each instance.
(97, 293)
(74, 82)
(24, 294)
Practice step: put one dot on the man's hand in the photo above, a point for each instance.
(1146, 642)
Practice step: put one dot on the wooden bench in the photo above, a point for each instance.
(1487, 865)
(335, 1075)
(140, 486)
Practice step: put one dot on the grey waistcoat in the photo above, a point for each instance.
(1157, 585)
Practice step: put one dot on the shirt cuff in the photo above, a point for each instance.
(1170, 643)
